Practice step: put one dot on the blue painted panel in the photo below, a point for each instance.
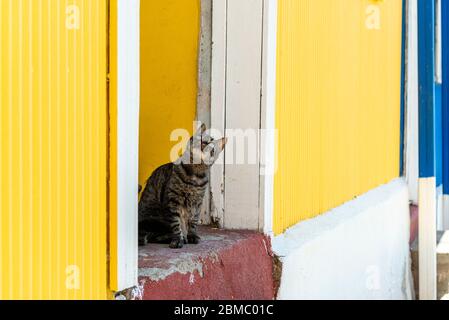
(403, 63)
(426, 50)
(445, 93)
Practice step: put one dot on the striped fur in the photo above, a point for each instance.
(170, 204)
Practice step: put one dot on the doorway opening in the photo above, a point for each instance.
(196, 66)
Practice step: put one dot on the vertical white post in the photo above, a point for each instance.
(427, 151)
(412, 125)
(268, 116)
(446, 212)
(243, 106)
(427, 239)
(128, 62)
(439, 80)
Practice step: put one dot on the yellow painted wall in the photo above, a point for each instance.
(53, 117)
(169, 59)
(338, 104)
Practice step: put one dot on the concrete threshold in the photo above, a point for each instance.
(226, 265)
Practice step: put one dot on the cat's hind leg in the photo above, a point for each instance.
(154, 230)
(154, 238)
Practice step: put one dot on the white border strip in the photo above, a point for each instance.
(412, 123)
(440, 209)
(268, 116)
(427, 239)
(128, 68)
(446, 212)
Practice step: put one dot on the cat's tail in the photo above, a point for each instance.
(153, 237)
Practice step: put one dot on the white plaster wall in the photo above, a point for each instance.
(357, 251)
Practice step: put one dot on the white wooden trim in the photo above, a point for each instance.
(268, 142)
(440, 211)
(218, 99)
(243, 106)
(412, 123)
(128, 55)
(239, 77)
(446, 212)
(427, 239)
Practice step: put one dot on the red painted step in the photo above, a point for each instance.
(225, 265)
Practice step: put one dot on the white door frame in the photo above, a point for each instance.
(235, 102)
(126, 152)
(128, 96)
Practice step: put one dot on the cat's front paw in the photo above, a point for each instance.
(177, 243)
(193, 238)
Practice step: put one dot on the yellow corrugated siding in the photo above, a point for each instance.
(169, 68)
(338, 104)
(53, 116)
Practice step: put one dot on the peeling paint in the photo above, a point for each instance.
(183, 265)
(204, 86)
(192, 278)
(137, 292)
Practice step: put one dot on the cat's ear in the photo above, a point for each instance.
(214, 150)
(221, 144)
(200, 131)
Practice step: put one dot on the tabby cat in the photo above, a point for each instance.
(170, 204)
